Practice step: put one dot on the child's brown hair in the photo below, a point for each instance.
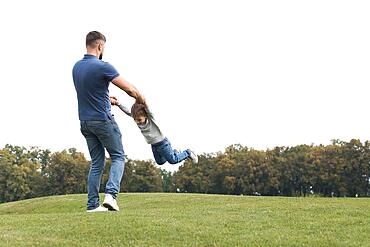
(138, 110)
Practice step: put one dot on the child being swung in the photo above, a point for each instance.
(161, 146)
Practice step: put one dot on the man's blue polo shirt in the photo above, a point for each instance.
(91, 77)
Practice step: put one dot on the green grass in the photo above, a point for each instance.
(187, 220)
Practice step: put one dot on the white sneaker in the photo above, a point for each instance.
(98, 209)
(110, 203)
(194, 157)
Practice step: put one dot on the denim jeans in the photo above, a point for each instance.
(163, 152)
(101, 135)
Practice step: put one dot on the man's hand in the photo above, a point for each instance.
(113, 100)
(141, 100)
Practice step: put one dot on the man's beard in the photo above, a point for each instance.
(101, 56)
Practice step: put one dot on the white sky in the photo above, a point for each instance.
(216, 73)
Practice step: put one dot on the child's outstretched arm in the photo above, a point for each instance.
(124, 109)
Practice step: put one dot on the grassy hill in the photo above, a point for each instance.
(187, 220)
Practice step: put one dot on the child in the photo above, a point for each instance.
(161, 146)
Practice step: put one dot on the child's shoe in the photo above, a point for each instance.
(193, 156)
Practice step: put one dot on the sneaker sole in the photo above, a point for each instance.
(110, 208)
(102, 209)
(97, 211)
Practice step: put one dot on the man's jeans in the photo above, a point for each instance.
(163, 152)
(101, 135)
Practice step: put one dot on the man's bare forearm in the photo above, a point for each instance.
(128, 88)
(133, 92)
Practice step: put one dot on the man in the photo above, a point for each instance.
(91, 78)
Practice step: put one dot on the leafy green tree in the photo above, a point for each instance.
(19, 175)
(167, 181)
(143, 176)
(67, 173)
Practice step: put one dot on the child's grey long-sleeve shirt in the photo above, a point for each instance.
(149, 129)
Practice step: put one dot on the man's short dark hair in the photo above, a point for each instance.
(93, 37)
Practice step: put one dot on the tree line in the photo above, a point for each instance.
(339, 169)
(27, 173)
